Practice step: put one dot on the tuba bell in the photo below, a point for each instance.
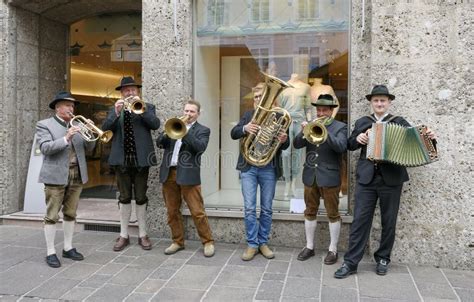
(259, 149)
(175, 127)
(134, 104)
(89, 131)
(315, 132)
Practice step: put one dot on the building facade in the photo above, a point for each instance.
(209, 49)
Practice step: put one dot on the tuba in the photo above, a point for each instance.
(315, 132)
(132, 104)
(259, 149)
(175, 128)
(89, 131)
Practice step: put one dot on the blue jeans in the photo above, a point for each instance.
(258, 231)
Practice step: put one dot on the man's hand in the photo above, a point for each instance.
(252, 128)
(430, 133)
(303, 125)
(363, 138)
(71, 131)
(282, 137)
(119, 106)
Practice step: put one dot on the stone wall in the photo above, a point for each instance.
(34, 69)
(423, 51)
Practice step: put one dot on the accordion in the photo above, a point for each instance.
(399, 145)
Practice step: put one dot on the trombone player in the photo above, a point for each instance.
(184, 141)
(131, 156)
(64, 171)
(321, 173)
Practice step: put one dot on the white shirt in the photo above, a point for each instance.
(381, 118)
(177, 146)
(65, 140)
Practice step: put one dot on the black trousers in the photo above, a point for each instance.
(132, 179)
(366, 197)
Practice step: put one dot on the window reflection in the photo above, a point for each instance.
(301, 41)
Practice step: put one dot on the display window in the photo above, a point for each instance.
(304, 43)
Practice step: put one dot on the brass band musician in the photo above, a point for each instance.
(131, 155)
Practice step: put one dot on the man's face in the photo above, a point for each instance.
(380, 104)
(63, 108)
(129, 91)
(324, 111)
(191, 111)
(257, 95)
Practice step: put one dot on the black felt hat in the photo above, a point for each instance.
(62, 96)
(127, 81)
(380, 90)
(325, 100)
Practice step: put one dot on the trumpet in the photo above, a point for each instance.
(175, 127)
(316, 132)
(89, 131)
(134, 104)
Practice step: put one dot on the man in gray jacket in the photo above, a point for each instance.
(63, 173)
(321, 177)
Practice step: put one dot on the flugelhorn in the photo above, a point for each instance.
(89, 131)
(315, 132)
(175, 127)
(134, 104)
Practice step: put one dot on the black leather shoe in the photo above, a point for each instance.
(53, 261)
(344, 271)
(73, 254)
(382, 267)
(305, 254)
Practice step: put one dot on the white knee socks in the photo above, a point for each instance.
(49, 233)
(141, 217)
(310, 229)
(334, 230)
(68, 228)
(125, 213)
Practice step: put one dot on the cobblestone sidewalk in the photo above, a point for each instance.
(137, 275)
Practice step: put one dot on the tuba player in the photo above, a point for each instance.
(257, 230)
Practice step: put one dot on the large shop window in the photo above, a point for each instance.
(300, 41)
(102, 49)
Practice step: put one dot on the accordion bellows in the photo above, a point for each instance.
(404, 146)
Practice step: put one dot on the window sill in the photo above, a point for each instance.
(280, 216)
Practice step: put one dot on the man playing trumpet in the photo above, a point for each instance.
(63, 173)
(131, 155)
(321, 176)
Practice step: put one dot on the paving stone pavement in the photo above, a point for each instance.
(137, 275)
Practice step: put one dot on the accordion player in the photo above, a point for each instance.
(404, 146)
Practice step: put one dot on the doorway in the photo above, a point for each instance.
(102, 49)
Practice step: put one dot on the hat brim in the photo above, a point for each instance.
(316, 105)
(52, 105)
(118, 88)
(390, 96)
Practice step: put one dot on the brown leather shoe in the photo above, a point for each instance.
(145, 242)
(331, 258)
(121, 243)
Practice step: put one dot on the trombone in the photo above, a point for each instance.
(134, 104)
(316, 132)
(89, 131)
(175, 127)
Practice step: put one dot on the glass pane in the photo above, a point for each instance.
(102, 50)
(312, 53)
